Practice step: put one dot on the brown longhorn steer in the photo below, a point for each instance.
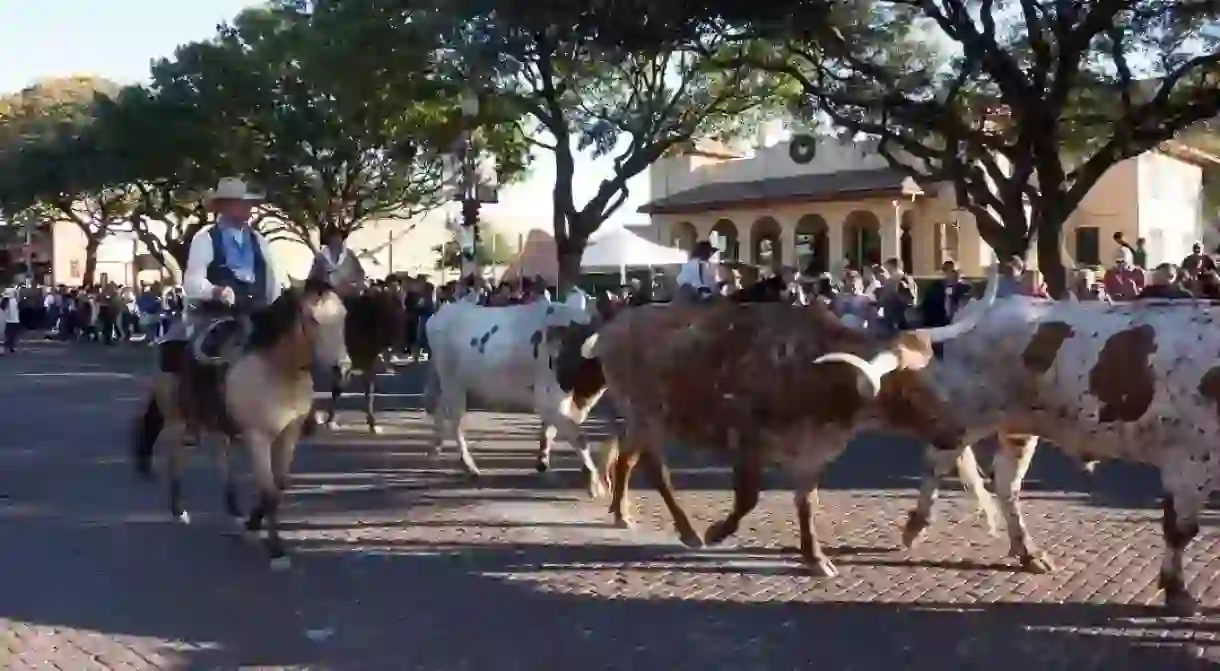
(758, 381)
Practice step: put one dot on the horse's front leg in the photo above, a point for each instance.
(271, 485)
(369, 379)
(224, 465)
(336, 390)
(176, 462)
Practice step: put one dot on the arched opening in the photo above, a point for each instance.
(767, 249)
(812, 245)
(724, 238)
(906, 242)
(683, 235)
(862, 239)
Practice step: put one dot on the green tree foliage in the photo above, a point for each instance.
(492, 250)
(634, 97)
(52, 167)
(162, 148)
(1021, 105)
(293, 107)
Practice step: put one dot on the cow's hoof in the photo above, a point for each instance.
(621, 522)
(692, 539)
(542, 466)
(716, 533)
(1037, 563)
(821, 567)
(375, 430)
(280, 563)
(1181, 604)
(912, 531)
(332, 425)
(183, 517)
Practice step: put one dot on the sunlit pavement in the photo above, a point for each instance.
(403, 564)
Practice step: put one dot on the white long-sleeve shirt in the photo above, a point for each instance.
(195, 284)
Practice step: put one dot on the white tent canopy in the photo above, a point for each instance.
(620, 248)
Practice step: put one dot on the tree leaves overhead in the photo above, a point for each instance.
(600, 76)
(1015, 102)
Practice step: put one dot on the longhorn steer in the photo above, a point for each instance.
(1135, 381)
(758, 382)
(521, 358)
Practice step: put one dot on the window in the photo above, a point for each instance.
(1088, 246)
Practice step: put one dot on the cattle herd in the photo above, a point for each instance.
(769, 384)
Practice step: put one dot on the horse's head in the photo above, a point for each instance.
(303, 328)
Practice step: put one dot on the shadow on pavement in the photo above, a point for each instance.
(477, 608)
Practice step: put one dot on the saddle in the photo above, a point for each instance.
(200, 361)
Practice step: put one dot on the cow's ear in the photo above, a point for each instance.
(914, 350)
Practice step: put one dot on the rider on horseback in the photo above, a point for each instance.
(337, 265)
(228, 272)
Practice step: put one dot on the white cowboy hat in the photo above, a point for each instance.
(233, 188)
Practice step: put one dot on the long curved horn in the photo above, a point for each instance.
(881, 365)
(197, 344)
(587, 347)
(972, 314)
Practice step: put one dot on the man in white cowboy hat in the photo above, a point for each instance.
(228, 264)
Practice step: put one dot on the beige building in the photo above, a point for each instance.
(847, 206)
(384, 246)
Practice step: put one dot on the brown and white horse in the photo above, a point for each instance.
(262, 399)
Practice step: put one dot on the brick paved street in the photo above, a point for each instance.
(402, 566)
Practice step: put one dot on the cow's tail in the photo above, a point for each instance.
(971, 475)
(147, 428)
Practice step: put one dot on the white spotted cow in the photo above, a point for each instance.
(519, 358)
(1134, 381)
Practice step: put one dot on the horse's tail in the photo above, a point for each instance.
(147, 428)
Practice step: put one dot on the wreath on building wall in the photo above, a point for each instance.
(802, 148)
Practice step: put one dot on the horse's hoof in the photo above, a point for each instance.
(821, 567)
(332, 425)
(183, 517)
(542, 466)
(1037, 563)
(623, 523)
(1181, 604)
(280, 563)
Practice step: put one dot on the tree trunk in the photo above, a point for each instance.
(1050, 258)
(91, 246)
(569, 250)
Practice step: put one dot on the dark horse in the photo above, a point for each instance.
(375, 323)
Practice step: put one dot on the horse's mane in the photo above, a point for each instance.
(275, 321)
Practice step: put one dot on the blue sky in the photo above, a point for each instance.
(118, 40)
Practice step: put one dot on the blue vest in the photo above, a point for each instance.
(220, 275)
